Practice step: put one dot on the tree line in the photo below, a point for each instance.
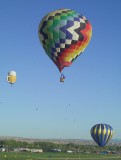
(49, 146)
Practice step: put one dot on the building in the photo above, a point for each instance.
(2, 149)
(37, 150)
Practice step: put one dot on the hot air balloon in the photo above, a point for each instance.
(101, 133)
(64, 35)
(11, 78)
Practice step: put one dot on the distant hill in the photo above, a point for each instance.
(61, 141)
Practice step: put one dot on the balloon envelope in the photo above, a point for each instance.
(11, 78)
(101, 133)
(64, 34)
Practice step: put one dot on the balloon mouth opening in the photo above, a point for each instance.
(62, 65)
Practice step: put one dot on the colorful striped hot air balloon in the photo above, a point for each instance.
(64, 34)
(101, 133)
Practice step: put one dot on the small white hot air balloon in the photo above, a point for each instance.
(11, 78)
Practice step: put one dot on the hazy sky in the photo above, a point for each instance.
(91, 93)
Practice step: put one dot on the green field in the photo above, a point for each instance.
(55, 156)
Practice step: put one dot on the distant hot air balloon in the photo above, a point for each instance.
(101, 133)
(11, 78)
(64, 35)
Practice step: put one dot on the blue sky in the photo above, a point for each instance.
(91, 93)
